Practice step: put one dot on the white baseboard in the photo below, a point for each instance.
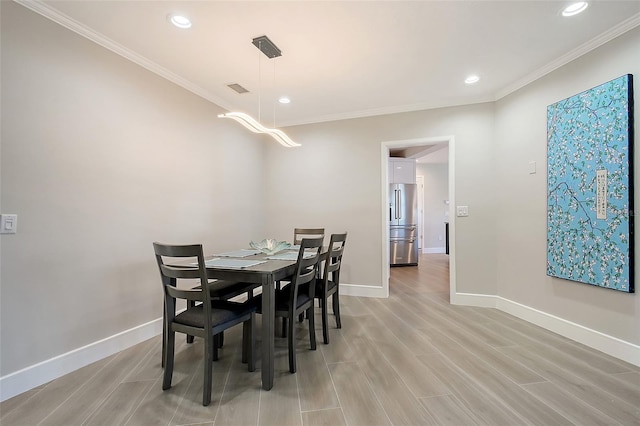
(363, 291)
(610, 345)
(427, 250)
(479, 300)
(30, 377)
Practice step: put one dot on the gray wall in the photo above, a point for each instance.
(99, 159)
(436, 191)
(521, 197)
(337, 179)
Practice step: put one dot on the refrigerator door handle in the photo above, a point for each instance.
(398, 197)
(395, 211)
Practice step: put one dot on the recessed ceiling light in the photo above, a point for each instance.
(180, 21)
(472, 79)
(575, 8)
(284, 100)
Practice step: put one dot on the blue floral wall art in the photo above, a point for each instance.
(590, 186)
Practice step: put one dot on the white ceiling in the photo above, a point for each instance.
(345, 59)
(438, 156)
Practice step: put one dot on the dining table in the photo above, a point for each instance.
(262, 270)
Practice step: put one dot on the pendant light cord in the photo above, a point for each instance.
(259, 81)
(274, 93)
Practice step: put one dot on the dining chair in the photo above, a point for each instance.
(221, 290)
(329, 282)
(207, 319)
(224, 290)
(290, 302)
(300, 233)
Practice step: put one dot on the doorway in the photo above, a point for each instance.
(413, 147)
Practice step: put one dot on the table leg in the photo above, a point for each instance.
(268, 331)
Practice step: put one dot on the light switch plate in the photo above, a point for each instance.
(8, 223)
(462, 211)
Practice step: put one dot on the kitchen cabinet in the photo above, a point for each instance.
(402, 170)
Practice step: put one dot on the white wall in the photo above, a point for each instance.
(436, 191)
(521, 197)
(99, 159)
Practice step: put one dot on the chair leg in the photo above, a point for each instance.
(164, 337)
(249, 343)
(292, 347)
(245, 340)
(221, 339)
(336, 309)
(301, 317)
(216, 345)
(284, 327)
(209, 350)
(168, 354)
(312, 328)
(325, 320)
(252, 343)
(190, 304)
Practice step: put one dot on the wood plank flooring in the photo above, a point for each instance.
(411, 359)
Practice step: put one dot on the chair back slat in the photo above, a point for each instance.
(181, 272)
(186, 294)
(187, 250)
(300, 233)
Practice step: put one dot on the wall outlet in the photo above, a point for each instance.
(462, 211)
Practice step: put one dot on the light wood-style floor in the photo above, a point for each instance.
(411, 359)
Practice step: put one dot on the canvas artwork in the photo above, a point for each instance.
(590, 186)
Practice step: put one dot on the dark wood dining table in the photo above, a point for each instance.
(266, 275)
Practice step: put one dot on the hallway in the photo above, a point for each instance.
(430, 276)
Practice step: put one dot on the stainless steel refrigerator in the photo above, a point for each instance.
(403, 228)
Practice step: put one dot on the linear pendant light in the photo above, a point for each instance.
(252, 124)
(267, 47)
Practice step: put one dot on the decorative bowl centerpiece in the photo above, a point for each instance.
(270, 246)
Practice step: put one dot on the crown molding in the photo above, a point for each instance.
(374, 112)
(54, 15)
(100, 39)
(581, 50)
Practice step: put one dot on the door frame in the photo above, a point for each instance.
(385, 146)
(420, 183)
